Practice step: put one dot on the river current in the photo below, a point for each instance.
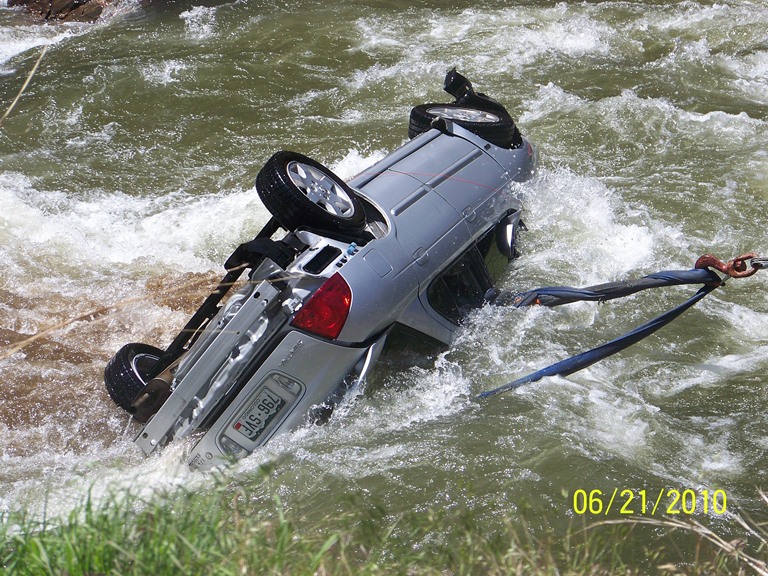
(126, 179)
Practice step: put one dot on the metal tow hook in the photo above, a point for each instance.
(736, 268)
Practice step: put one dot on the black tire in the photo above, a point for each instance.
(494, 126)
(125, 375)
(301, 192)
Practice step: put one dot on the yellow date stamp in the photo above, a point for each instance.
(669, 501)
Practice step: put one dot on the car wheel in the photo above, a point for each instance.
(494, 126)
(301, 192)
(125, 375)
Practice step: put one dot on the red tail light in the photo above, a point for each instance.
(326, 311)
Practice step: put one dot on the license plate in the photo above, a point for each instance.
(259, 414)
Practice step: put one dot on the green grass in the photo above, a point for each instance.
(217, 532)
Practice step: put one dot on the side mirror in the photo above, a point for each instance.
(506, 235)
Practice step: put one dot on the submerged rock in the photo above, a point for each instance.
(64, 10)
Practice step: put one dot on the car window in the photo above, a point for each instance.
(462, 287)
(495, 261)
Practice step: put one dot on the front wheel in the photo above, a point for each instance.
(301, 192)
(494, 126)
(126, 374)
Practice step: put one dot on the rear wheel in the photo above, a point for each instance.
(126, 374)
(299, 191)
(494, 126)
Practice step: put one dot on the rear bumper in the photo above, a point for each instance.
(300, 373)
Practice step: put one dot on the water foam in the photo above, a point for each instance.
(607, 232)
(613, 239)
(177, 231)
(199, 22)
(18, 40)
(163, 73)
(473, 39)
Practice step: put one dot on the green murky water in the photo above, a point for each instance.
(128, 166)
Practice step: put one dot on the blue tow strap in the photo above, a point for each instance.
(555, 296)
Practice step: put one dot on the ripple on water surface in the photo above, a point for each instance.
(137, 179)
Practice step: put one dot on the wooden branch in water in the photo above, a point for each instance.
(24, 86)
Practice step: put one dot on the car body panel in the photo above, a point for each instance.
(253, 371)
(298, 372)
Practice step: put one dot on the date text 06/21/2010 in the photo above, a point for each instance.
(665, 501)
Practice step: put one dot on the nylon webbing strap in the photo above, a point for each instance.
(558, 295)
(585, 359)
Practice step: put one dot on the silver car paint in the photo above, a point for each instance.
(437, 195)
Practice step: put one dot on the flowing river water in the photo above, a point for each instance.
(126, 179)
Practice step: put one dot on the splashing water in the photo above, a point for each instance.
(127, 173)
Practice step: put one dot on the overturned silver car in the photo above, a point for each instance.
(411, 244)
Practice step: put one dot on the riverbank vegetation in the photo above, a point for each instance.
(218, 531)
